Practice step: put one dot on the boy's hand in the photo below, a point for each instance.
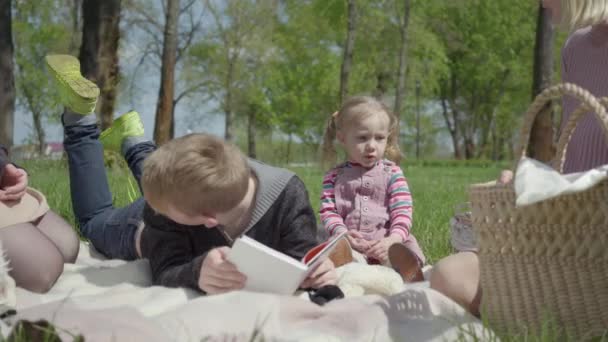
(13, 183)
(324, 274)
(218, 275)
(358, 242)
(379, 251)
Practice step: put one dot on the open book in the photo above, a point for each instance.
(268, 270)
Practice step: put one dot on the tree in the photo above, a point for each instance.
(487, 69)
(39, 30)
(7, 86)
(541, 136)
(349, 45)
(99, 51)
(400, 91)
(232, 59)
(74, 16)
(141, 16)
(164, 124)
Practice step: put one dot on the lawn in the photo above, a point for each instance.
(436, 188)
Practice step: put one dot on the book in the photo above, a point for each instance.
(268, 270)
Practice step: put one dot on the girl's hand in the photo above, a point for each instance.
(379, 251)
(358, 242)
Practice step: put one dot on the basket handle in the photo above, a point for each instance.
(554, 92)
(568, 130)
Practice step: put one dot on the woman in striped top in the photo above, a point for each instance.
(367, 196)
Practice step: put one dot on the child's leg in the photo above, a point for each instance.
(126, 136)
(412, 245)
(34, 260)
(407, 259)
(135, 156)
(112, 231)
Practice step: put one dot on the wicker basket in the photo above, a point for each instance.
(548, 260)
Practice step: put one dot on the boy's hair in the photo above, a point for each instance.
(576, 14)
(356, 109)
(197, 174)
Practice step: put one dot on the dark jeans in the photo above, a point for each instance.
(111, 230)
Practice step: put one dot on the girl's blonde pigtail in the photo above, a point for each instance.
(328, 158)
(393, 152)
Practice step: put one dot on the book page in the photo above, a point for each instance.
(266, 269)
(322, 251)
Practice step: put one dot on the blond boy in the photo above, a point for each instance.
(200, 193)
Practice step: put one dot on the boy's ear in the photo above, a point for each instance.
(209, 221)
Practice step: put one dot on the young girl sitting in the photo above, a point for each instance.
(368, 195)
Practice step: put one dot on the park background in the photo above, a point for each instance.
(267, 74)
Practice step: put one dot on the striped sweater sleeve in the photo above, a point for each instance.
(400, 204)
(332, 221)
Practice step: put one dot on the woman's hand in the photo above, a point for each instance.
(505, 176)
(13, 183)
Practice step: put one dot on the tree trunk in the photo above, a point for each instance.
(348, 49)
(40, 135)
(228, 134)
(7, 85)
(400, 91)
(382, 78)
(99, 51)
(164, 112)
(251, 130)
(108, 72)
(89, 47)
(75, 14)
(541, 138)
(34, 107)
(452, 125)
(288, 154)
(469, 148)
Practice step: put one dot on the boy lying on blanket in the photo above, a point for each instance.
(200, 194)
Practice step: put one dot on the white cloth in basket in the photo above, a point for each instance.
(535, 181)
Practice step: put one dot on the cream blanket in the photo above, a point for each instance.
(113, 300)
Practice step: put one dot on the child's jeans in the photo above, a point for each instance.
(111, 230)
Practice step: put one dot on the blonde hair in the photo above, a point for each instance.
(576, 14)
(197, 174)
(353, 110)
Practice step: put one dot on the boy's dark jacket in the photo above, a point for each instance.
(281, 219)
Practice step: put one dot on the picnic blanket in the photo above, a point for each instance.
(114, 300)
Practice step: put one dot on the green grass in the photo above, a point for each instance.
(436, 188)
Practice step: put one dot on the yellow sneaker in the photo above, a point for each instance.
(126, 125)
(76, 92)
